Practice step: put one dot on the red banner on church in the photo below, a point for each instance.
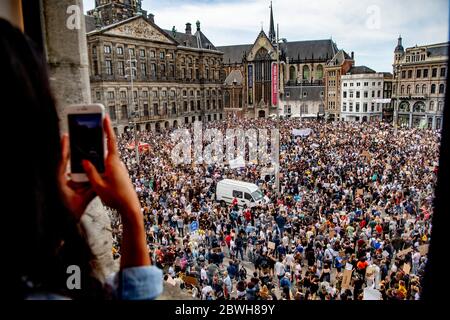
(274, 84)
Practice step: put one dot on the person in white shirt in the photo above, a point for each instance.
(203, 275)
(280, 269)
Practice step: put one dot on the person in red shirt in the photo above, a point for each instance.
(228, 240)
(379, 228)
(248, 215)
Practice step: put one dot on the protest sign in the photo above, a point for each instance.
(404, 252)
(194, 226)
(346, 279)
(301, 132)
(371, 294)
(271, 245)
(423, 249)
(171, 281)
(237, 163)
(406, 268)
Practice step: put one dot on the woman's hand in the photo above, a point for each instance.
(75, 196)
(114, 187)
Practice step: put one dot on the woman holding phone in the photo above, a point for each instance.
(48, 204)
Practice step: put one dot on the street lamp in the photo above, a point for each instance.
(396, 99)
(135, 112)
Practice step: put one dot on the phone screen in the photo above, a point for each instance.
(86, 141)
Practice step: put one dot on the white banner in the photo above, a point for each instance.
(302, 132)
(237, 163)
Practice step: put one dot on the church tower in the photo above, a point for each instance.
(272, 34)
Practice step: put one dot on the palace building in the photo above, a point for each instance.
(148, 76)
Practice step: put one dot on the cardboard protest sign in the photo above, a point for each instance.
(404, 252)
(359, 192)
(423, 249)
(332, 233)
(367, 155)
(406, 268)
(271, 245)
(371, 294)
(171, 281)
(346, 279)
(348, 266)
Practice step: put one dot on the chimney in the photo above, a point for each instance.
(151, 17)
(353, 55)
(188, 28)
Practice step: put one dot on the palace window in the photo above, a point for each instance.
(120, 51)
(434, 73)
(441, 88)
(443, 72)
(142, 53)
(109, 68)
(107, 49)
(433, 88)
(121, 68)
(112, 113)
(143, 68)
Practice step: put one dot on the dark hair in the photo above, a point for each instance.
(45, 240)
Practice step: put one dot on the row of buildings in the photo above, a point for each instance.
(162, 78)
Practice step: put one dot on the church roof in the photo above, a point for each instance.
(360, 70)
(196, 41)
(234, 75)
(317, 49)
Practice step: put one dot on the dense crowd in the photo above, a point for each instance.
(352, 218)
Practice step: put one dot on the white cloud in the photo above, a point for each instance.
(346, 21)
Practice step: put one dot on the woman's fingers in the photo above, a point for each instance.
(110, 136)
(65, 153)
(94, 177)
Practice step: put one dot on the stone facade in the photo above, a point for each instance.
(364, 95)
(177, 77)
(339, 65)
(419, 85)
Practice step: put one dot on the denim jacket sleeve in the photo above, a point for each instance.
(136, 283)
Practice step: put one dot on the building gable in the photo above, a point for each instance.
(261, 42)
(138, 28)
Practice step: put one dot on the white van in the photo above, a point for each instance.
(244, 192)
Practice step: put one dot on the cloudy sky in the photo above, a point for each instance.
(370, 28)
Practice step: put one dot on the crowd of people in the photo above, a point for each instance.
(352, 217)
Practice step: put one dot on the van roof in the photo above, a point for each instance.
(251, 186)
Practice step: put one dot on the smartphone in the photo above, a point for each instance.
(87, 139)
